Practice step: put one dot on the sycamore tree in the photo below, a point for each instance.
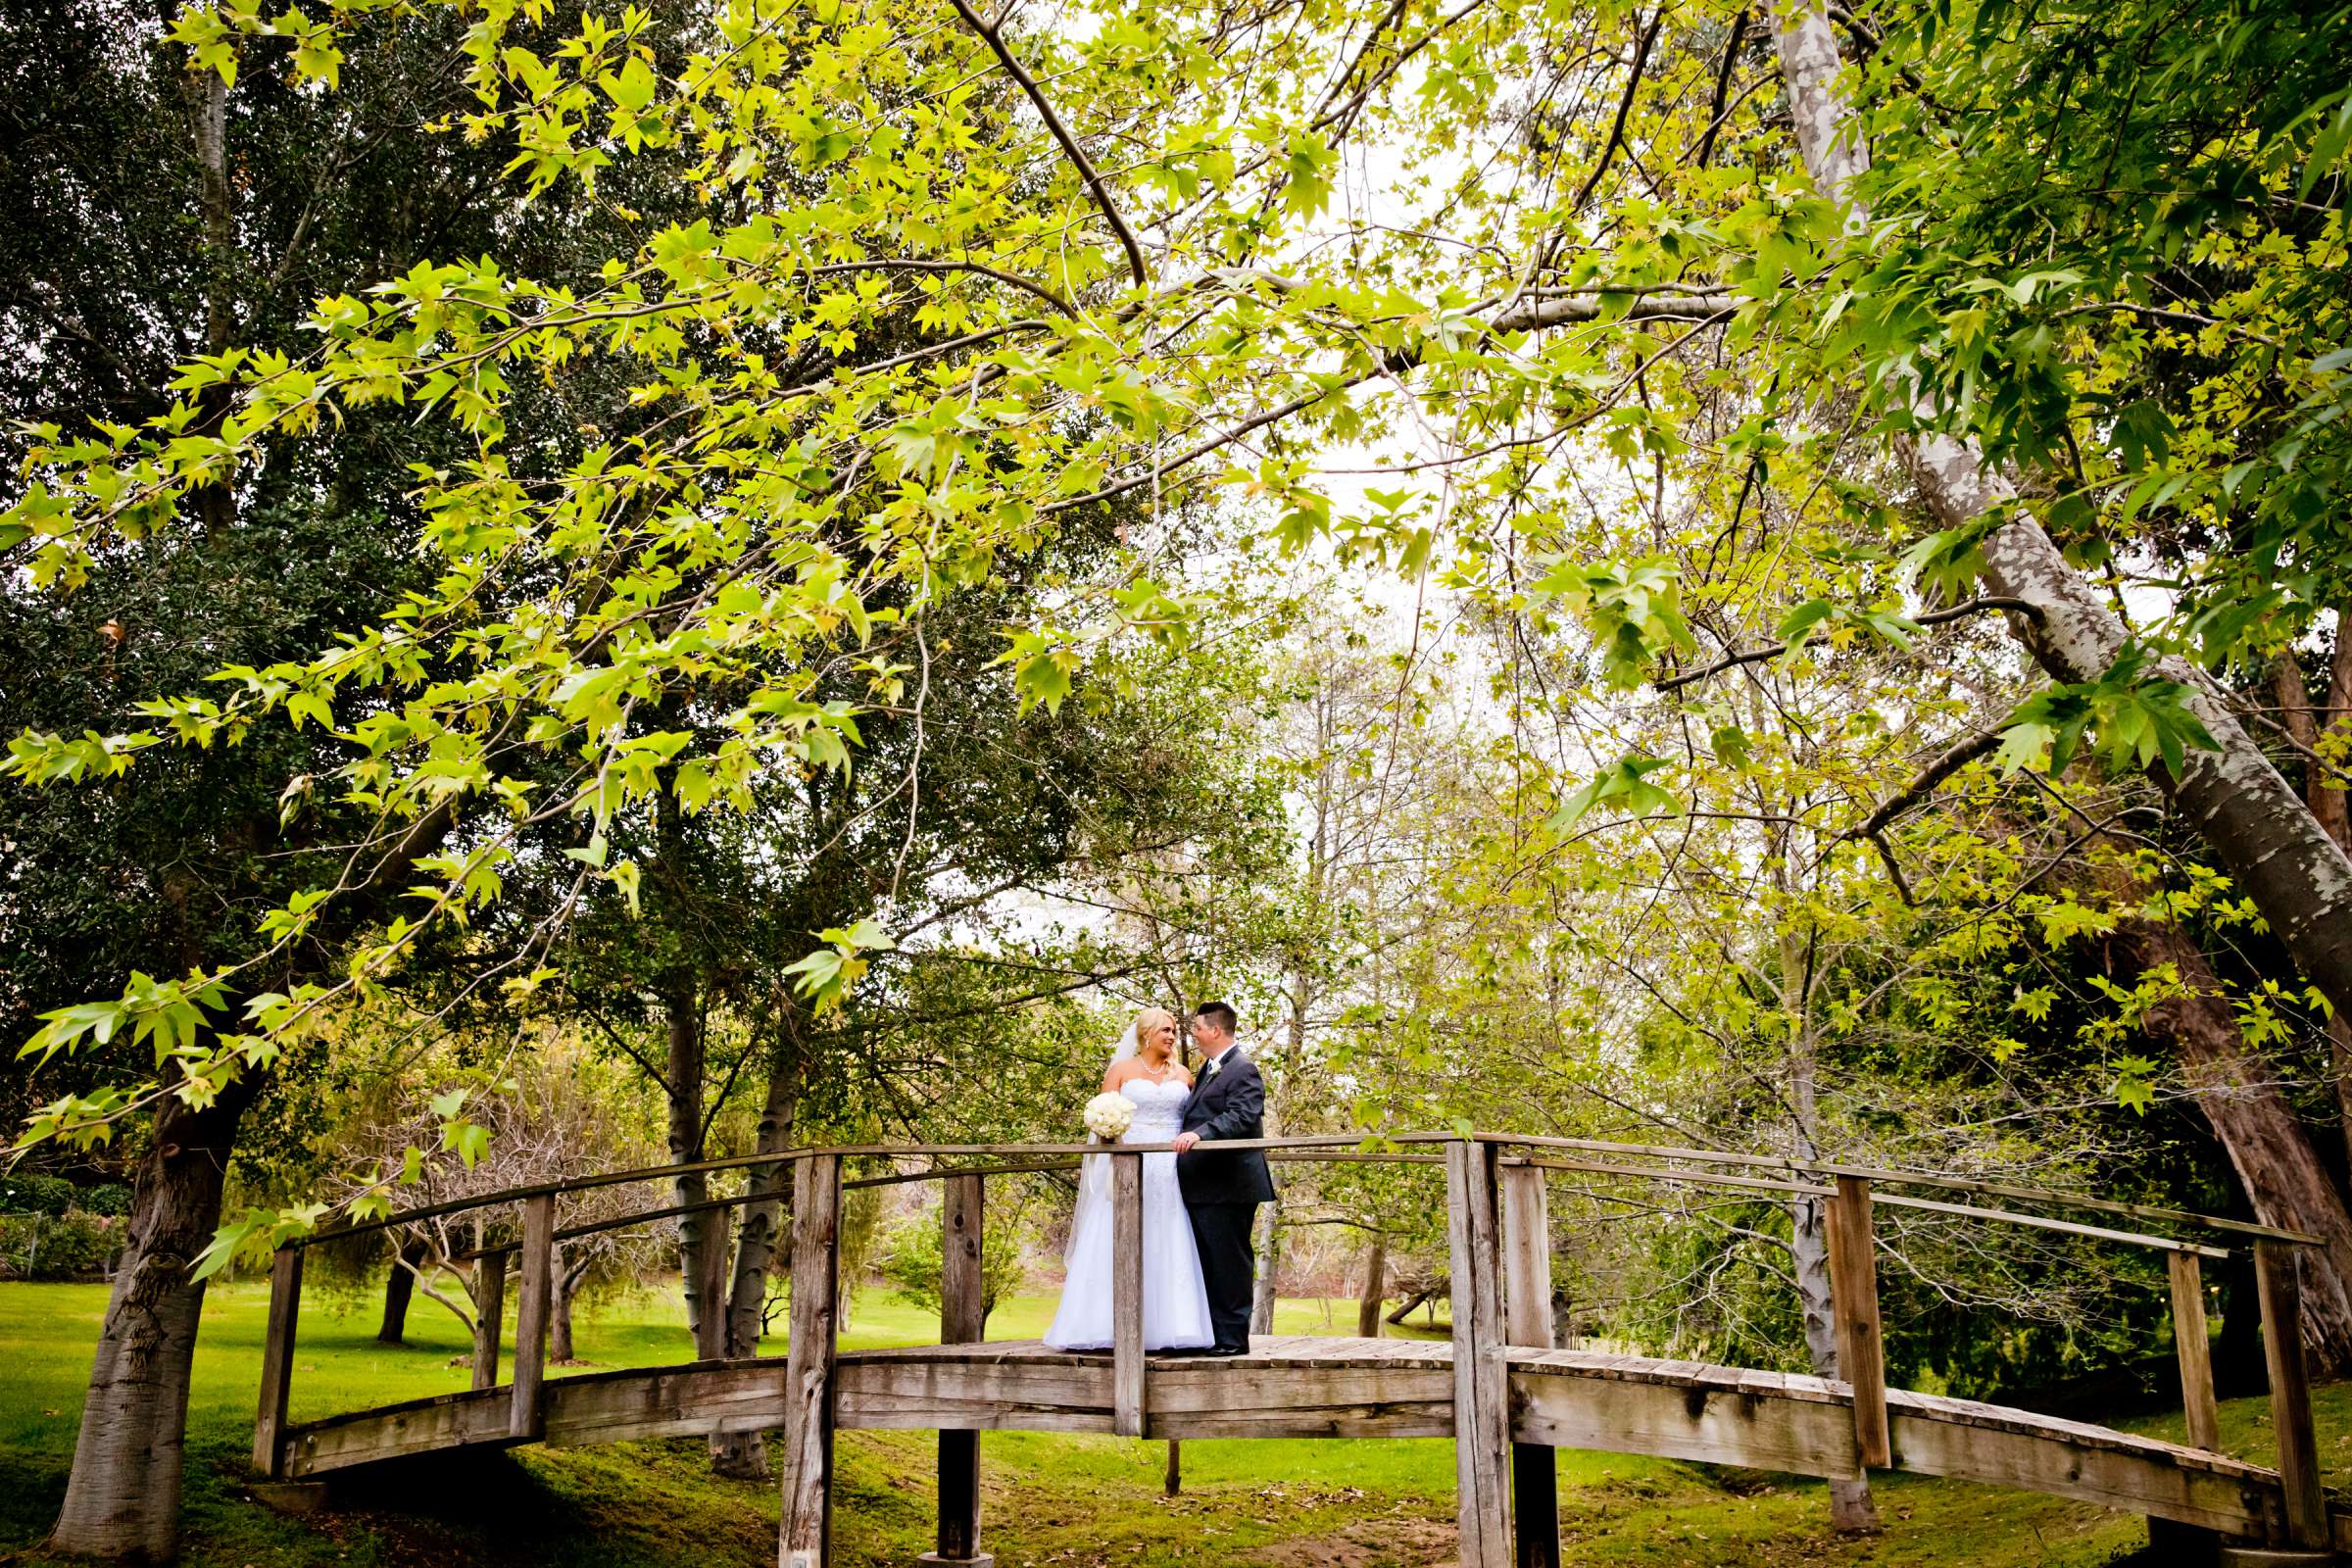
(1156, 245)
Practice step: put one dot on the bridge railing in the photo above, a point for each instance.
(1500, 1258)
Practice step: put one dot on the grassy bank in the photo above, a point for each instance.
(1050, 1499)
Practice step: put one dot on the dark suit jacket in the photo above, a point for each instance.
(1230, 1102)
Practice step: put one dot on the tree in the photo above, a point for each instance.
(1578, 242)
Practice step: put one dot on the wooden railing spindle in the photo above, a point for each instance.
(1127, 1395)
(526, 1411)
(806, 1531)
(1526, 1320)
(2281, 1295)
(1482, 1416)
(1854, 1298)
(963, 1320)
(277, 1360)
(2194, 1349)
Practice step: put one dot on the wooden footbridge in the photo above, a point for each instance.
(1501, 1390)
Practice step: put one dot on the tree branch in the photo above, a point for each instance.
(1625, 107)
(1933, 618)
(1061, 133)
(1723, 88)
(1953, 759)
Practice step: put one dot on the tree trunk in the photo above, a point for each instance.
(567, 1283)
(207, 123)
(400, 1288)
(2283, 1177)
(2304, 726)
(744, 1455)
(2257, 828)
(1852, 1510)
(123, 1495)
(1375, 1288)
(683, 1092)
(1269, 1268)
(122, 1498)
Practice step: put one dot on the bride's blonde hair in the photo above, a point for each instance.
(1143, 1023)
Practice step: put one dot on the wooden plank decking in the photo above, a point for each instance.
(1299, 1387)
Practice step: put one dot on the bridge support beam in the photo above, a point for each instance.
(963, 1320)
(2281, 1294)
(2192, 1347)
(526, 1411)
(804, 1537)
(1855, 1299)
(1526, 1320)
(1481, 1412)
(277, 1361)
(1127, 1295)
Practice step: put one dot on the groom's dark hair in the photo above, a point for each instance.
(1220, 1014)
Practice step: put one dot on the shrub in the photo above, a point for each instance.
(77, 1244)
(20, 1245)
(35, 1194)
(111, 1197)
(910, 1260)
(72, 1246)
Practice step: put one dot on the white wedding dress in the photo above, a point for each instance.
(1175, 1302)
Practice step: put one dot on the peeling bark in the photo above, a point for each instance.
(2278, 1165)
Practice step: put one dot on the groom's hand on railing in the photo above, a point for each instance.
(1185, 1141)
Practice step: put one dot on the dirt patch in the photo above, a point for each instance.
(1372, 1543)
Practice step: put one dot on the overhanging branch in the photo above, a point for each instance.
(1061, 133)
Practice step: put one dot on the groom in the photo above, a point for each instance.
(1222, 1190)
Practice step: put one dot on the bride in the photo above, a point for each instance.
(1145, 1069)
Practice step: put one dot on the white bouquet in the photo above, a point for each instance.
(1108, 1114)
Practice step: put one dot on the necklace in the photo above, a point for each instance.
(1159, 1073)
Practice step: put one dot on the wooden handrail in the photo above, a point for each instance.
(1905, 1178)
(2042, 1222)
(1348, 1148)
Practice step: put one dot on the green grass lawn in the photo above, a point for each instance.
(1050, 1499)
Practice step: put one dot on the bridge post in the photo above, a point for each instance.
(1527, 1319)
(2194, 1349)
(963, 1320)
(489, 1311)
(277, 1361)
(805, 1536)
(1482, 1415)
(526, 1411)
(2282, 1296)
(1855, 1299)
(1127, 1295)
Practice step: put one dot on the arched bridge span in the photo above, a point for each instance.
(1501, 1389)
